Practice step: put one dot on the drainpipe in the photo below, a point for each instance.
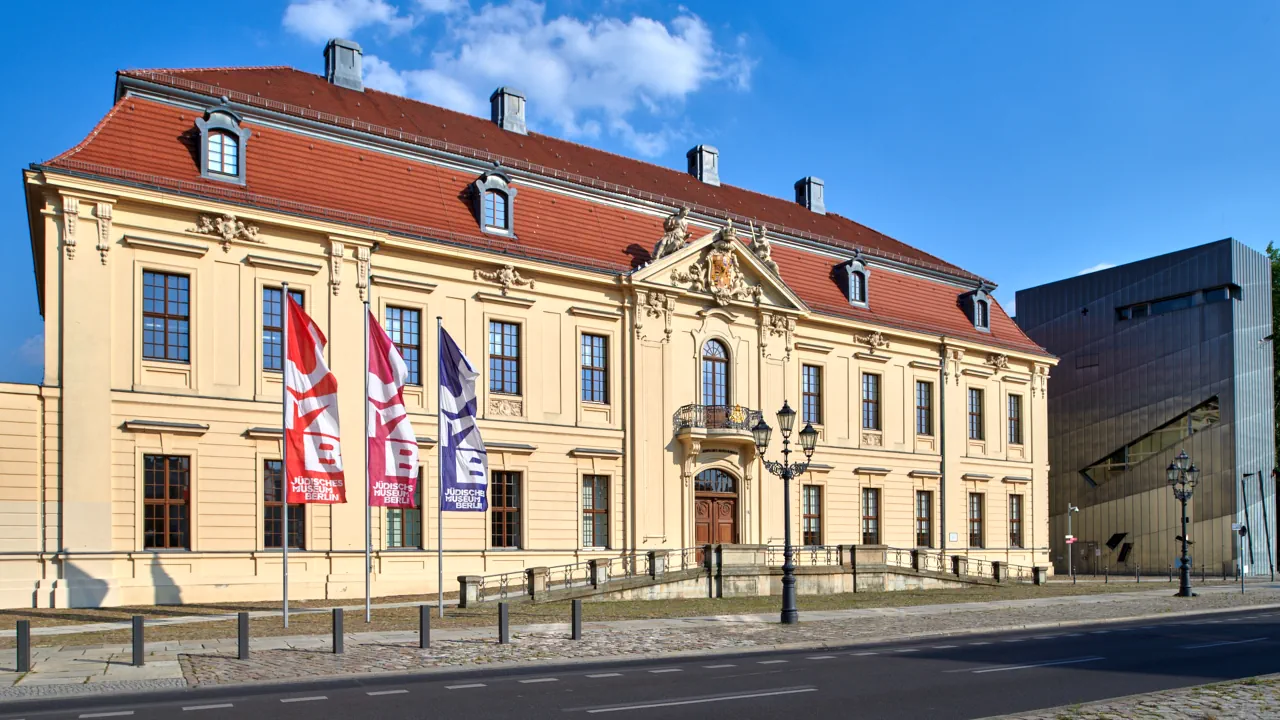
(942, 447)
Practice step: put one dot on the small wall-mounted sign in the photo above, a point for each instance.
(953, 537)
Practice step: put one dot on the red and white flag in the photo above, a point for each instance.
(314, 461)
(393, 448)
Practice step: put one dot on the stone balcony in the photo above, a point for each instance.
(731, 423)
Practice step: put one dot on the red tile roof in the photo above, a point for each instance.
(156, 144)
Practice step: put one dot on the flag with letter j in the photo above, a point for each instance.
(464, 465)
(393, 448)
(314, 462)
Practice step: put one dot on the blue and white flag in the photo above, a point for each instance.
(464, 465)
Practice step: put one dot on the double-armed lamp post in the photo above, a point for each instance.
(1183, 476)
(786, 470)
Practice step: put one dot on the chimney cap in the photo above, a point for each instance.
(343, 42)
(704, 163)
(811, 193)
(506, 109)
(342, 64)
(506, 90)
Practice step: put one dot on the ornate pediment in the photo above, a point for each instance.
(227, 228)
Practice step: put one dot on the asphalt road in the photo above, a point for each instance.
(961, 677)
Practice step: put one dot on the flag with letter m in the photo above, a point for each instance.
(464, 465)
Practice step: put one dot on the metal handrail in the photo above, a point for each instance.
(977, 567)
(898, 557)
(804, 555)
(563, 577)
(1020, 573)
(715, 417)
(503, 586)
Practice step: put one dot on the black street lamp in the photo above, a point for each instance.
(1183, 476)
(786, 471)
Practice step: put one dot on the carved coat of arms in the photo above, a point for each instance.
(718, 272)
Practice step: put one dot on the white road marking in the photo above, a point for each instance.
(1099, 632)
(1220, 644)
(387, 692)
(864, 654)
(605, 675)
(907, 650)
(1072, 661)
(696, 701)
(1013, 640)
(770, 662)
(189, 708)
(1072, 635)
(717, 667)
(665, 670)
(943, 647)
(539, 680)
(118, 713)
(980, 643)
(304, 699)
(463, 687)
(821, 657)
(1147, 627)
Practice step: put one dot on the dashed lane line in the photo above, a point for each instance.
(1007, 668)
(468, 686)
(770, 662)
(717, 667)
(864, 654)
(821, 657)
(696, 701)
(1220, 644)
(376, 693)
(219, 706)
(665, 670)
(538, 680)
(944, 647)
(906, 650)
(312, 698)
(604, 675)
(118, 713)
(980, 643)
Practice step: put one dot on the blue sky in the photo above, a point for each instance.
(1023, 141)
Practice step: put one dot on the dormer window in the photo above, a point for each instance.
(222, 144)
(495, 199)
(495, 210)
(856, 285)
(977, 305)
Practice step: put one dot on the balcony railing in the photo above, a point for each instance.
(715, 417)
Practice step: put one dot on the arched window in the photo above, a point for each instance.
(224, 153)
(857, 287)
(222, 145)
(715, 373)
(495, 210)
(982, 314)
(715, 481)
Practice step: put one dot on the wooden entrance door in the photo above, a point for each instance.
(715, 520)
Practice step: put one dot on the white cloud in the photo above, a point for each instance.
(319, 20)
(1096, 268)
(584, 77)
(31, 351)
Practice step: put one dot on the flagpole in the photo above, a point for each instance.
(284, 441)
(440, 431)
(368, 532)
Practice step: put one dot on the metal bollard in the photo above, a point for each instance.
(1106, 574)
(1170, 572)
(24, 646)
(1137, 573)
(139, 646)
(242, 635)
(1201, 573)
(504, 627)
(577, 619)
(337, 631)
(424, 626)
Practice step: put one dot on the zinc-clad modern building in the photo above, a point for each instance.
(629, 321)
(1158, 356)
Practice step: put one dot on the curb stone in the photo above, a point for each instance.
(1073, 709)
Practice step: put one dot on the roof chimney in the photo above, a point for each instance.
(342, 64)
(506, 108)
(809, 193)
(704, 164)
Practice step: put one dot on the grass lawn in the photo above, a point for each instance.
(521, 614)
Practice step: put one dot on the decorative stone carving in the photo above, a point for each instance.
(676, 234)
(70, 213)
(874, 340)
(362, 271)
(761, 248)
(506, 276)
(228, 228)
(336, 251)
(1040, 377)
(872, 439)
(103, 211)
(718, 274)
(998, 361)
(657, 306)
(506, 406)
(952, 358)
(690, 457)
(780, 326)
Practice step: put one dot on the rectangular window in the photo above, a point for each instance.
(975, 414)
(166, 502)
(870, 516)
(404, 327)
(977, 534)
(924, 408)
(273, 509)
(504, 509)
(404, 525)
(273, 327)
(595, 511)
(504, 358)
(166, 317)
(924, 518)
(595, 368)
(812, 514)
(811, 394)
(1015, 521)
(870, 401)
(1015, 419)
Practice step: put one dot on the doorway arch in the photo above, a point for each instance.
(715, 507)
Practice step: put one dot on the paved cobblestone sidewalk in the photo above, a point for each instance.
(1249, 699)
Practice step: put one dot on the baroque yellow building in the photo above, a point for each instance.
(630, 322)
